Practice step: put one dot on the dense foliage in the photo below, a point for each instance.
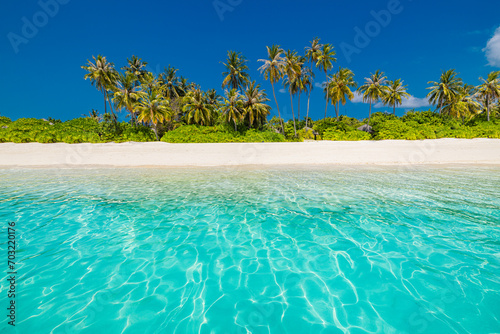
(79, 130)
(219, 134)
(415, 125)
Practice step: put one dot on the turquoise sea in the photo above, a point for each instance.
(242, 250)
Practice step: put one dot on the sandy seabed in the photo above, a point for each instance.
(159, 154)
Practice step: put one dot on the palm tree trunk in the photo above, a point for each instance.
(488, 108)
(370, 112)
(326, 106)
(235, 129)
(279, 114)
(156, 132)
(132, 118)
(111, 108)
(293, 115)
(298, 112)
(338, 111)
(308, 100)
(441, 107)
(105, 106)
(394, 110)
(309, 95)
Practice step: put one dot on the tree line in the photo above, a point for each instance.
(170, 99)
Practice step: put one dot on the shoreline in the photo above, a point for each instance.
(479, 151)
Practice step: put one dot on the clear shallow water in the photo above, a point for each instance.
(365, 250)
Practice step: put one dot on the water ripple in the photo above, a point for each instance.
(313, 250)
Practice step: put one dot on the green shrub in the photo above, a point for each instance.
(322, 125)
(412, 126)
(4, 121)
(255, 136)
(353, 135)
(309, 135)
(393, 129)
(218, 134)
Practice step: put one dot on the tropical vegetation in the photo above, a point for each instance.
(168, 107)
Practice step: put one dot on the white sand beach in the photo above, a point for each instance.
(158, 154)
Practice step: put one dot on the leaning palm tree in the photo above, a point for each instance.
(324, 61)
(292, 70)
(127, 93)
(254, 105)
(489, 90)
(273, 70)
(373, 89)
(236, 75)
(102, 75)
(342, 82)
(445, 90)
(312, 53)
(197, 108)
(153, 108)
(232, 108)
(395, 93)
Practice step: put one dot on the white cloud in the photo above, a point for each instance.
(492, 49)
(358, 98)
(282, 91)
(409, 103)
(319, 85)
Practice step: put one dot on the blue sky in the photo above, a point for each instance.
(41, 75)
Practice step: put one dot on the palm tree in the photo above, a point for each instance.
(308, 83)
(292, 68)
(150, 82)
(169, 78)
(396, 91)
(153, 108)
(101, 74)
(254, 106)
(312, 54)
(213, 98)
(303, 81)
(489, 90)
(236, 75)
(197, 108)
(373, 89)
(94, 115)
(340, 87)
(233, 107)
(273, 70)
(126, 95)
(330, 90)
(184, 85)
(463, 104)
(324, 61)
(445, 90)
(135, 66)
